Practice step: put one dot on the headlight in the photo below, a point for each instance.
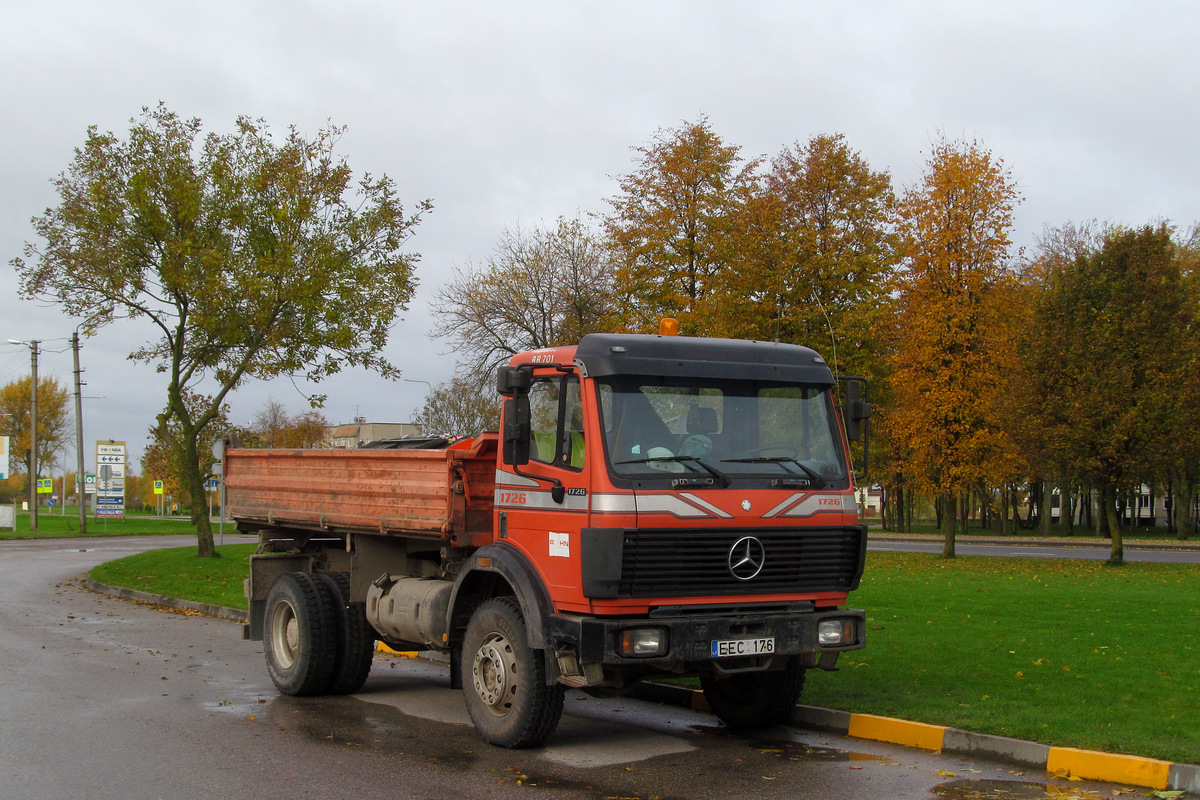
(644, 642)
(835, 632)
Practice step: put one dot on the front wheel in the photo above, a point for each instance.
(504, 679)
(751, 700)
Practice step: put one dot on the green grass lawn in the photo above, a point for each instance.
(178, 572)
(1066, 652)
(53, 526)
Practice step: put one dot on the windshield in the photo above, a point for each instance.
(725, 429)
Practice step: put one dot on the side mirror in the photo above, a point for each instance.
(516, 429)
(858, 407)
(513, 381)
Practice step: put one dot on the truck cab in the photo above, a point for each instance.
(688, 504)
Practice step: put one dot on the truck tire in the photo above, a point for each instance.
(355, 640)
(755, 699)
(300, 634)
(504, 679)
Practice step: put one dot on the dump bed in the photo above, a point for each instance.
(444, 493)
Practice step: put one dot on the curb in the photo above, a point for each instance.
(1064, 762)
(207, 609)
(1061, 761)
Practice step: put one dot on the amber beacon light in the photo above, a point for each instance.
(668, 327)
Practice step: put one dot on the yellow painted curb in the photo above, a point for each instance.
(1108, 767)
(897, 731)
(383, 648)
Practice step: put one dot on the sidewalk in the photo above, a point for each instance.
(1030, 541)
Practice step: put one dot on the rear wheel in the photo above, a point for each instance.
(299, 634)
(751, 700)
(504, 679)
(355, 640)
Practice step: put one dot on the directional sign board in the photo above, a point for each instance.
(110, 485)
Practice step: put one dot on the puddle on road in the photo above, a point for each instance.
(794, 751)
(1012, 790)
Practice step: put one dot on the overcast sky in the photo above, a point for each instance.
(515, 113)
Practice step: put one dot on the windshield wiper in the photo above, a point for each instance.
(817, 479)
(686, 461)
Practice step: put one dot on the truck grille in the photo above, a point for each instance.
(684, 563)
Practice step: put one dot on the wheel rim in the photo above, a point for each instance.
(285, 635)
(494, 672)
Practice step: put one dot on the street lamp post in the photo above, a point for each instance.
(33, 465)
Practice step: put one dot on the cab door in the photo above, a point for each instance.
(542, 505)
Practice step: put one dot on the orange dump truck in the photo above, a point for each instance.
(652, 506)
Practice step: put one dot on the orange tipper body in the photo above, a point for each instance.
(651, 505)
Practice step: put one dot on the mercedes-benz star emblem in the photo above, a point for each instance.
(746, 558)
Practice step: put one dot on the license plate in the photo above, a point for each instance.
(743, 647)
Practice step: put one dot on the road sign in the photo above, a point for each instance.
(3, 457)
(45, 485)
(212, 485)
(110, 488)
(158, 487)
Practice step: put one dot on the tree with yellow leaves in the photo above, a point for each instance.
(810, 248)
(954, 339)
(665, 223)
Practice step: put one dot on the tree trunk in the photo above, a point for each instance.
(192, 480)
(1066, 511)
(1045, 512)
(1108, 497)
(1004, 493)
(1181, 504)
(947, 522)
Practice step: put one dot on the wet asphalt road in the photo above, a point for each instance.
(101, 698)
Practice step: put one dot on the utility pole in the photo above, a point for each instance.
(79, 488)
(33, 459)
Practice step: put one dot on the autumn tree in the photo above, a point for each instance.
(810, 249)
(952, 338)
(1182, 450)
(1114, 332)
(463, 406)
(1034, 410)
(251, 257)
(664, 224)
(273, 426)
(54, 423)
(541, 287)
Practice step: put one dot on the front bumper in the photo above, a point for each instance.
(596, 639)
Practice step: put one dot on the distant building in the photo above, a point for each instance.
(360, 432)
